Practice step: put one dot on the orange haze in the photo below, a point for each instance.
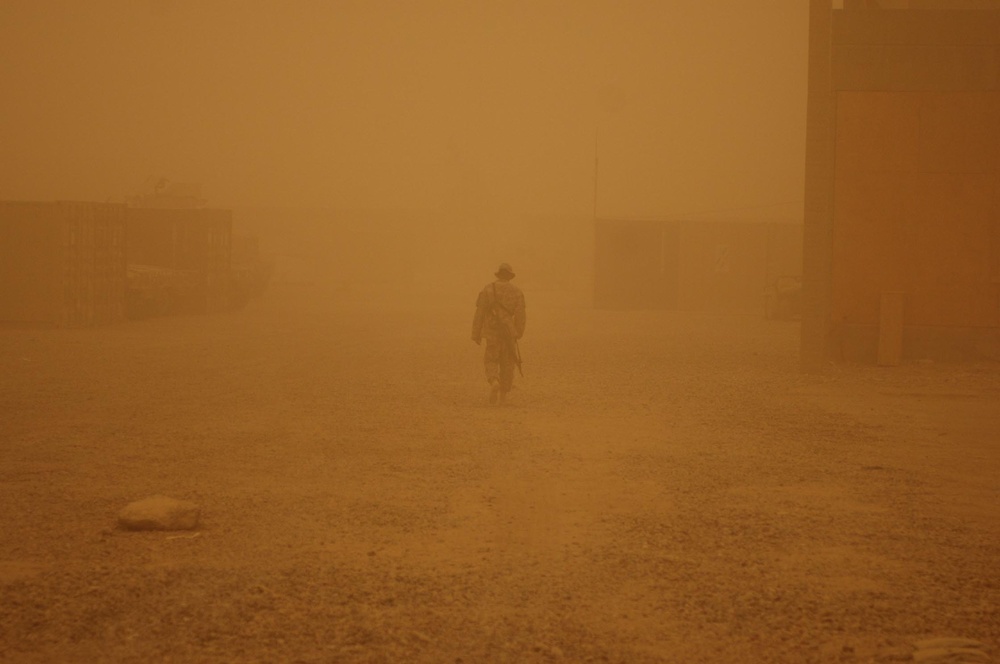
(447, 106)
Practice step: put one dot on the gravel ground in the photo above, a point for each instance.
(662, 487)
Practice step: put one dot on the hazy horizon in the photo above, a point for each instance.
(453, 107)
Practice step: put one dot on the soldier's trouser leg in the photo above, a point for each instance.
(491, 360)
(506, 367)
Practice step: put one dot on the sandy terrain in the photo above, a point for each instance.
(662, 487)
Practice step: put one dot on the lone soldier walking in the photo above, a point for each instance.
(500, 320)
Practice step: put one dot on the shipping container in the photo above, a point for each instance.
(62, 263)
(195, 243)
(720, 266)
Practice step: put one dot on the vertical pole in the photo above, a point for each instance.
(597, 164)
(593, 273)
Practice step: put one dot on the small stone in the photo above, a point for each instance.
(159, 513)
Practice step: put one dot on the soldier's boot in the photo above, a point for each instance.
(503, 397)
(495, 392)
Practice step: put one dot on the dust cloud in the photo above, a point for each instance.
(457, 134)
(661, 485)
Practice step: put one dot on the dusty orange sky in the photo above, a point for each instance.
(432, 105)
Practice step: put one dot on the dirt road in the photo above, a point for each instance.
(662, 487)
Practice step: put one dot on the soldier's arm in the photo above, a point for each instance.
(520, 318)
(482, 305)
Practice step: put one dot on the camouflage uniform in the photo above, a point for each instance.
(500, 320)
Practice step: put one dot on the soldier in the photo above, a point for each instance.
(500, 319)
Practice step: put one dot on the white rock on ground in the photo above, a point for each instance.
(159, 513)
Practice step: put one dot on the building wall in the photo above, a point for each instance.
(31, 273)
(195, 240)
(62, 263)
(182, 239)
(692, 266)
(635, 264)
(722, 267)
(907, 151)
(916, 201)
(921, 4)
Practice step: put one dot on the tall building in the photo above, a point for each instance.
(902, 213)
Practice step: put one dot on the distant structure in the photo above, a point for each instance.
(183, 257)
(178, 252)
(902, 199)
(62, 264)
(170, 195)
(718, 266)
(81, 264)
(179, 260)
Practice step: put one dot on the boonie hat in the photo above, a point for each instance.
(504, 269)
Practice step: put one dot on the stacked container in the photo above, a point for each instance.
(62, 264)
(193, 242)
